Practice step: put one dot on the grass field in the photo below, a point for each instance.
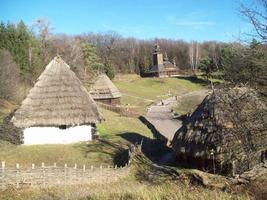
(141, 92)
(139, 185)
(123, 190)
(112, 130)
(90, 153)
(115, 132)
(188, 104)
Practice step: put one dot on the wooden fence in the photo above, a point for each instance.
(127, 111)
(58, 175)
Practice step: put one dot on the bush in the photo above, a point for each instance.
(10, 133)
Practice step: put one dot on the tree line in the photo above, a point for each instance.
(33, 47)
(26, 50)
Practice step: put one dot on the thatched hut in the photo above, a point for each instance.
(104, 91)
(227, 132)
(58, 109)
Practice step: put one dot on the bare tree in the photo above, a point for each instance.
(257, 16)
(9, 76)
(43, 27)
(191, 54)
(194, 52)
(197, 56)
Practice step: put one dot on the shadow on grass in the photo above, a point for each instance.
(194, 79)
(156, 161)
(103, 147)
(147, 171)
(155, 150)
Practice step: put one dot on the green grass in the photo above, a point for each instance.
(189, 103)
(137, 92)
(111, 130)
(80, 153)
(114, 125)
(91, 153)
(141, 92)
(215, 77)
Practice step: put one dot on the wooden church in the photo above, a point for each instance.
(162, 67)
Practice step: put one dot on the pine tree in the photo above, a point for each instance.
(93, 64)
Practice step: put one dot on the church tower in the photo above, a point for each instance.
(157, 56)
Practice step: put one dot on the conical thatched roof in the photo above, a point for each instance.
(57, 98)
(103, 88)
(230, 122)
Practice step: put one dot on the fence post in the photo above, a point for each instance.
(75, 171)
(91, 175)
(17, 175)
(108, 174)
(65, 173)
(101, 172)
(233, 167)
(43, 170)
(3, 173)
(55, 165)
(32, 174)
(83, 170)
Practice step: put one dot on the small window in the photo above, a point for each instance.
(62, 127)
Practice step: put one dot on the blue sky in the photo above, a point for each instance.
(146, 19)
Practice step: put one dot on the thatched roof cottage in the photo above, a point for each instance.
(58, 109)
(104, 91)
(227, 132)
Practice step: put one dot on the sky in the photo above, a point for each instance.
(199, 20)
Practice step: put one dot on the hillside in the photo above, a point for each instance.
(135, 91)
(116, 133)
(141, 92)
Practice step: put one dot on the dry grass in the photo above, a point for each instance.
(5, 108)
(125, 189)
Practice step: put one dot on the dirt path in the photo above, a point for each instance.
(160, 118)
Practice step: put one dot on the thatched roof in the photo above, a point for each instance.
(103, 88)
(57, 98)
(232, 122)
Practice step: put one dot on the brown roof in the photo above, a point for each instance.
(228, 120)
(103, 88)
(57, 98)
